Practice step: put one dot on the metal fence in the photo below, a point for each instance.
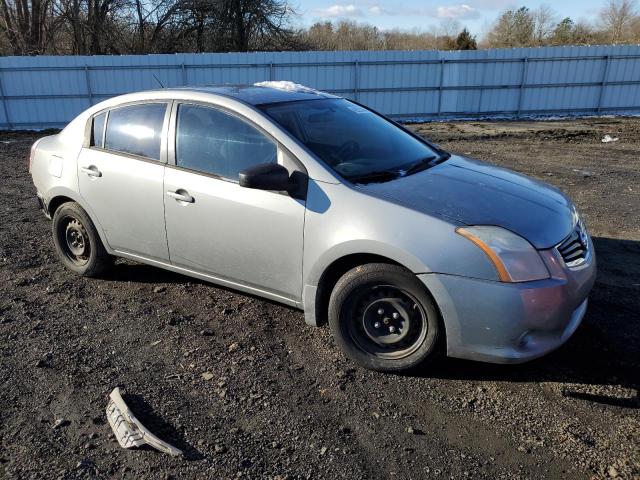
(47, 91)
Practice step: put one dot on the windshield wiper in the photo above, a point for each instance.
(427, 162)
(377, 176)
(385, 175)
(420, 165)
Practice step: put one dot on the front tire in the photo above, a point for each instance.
(77, 242)
(383, 318)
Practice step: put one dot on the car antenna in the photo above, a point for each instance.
(157, 80)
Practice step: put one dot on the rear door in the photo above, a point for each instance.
(240, 235)
(121, 173)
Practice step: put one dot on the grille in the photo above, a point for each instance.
(575, 247)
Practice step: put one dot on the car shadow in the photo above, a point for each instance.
(605, 350)
(126, 271)
(159, 427)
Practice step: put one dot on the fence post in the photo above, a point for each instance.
(271, 71)
(356, 79)
(88, 80)
(184, 74)
(482, 84)
(442, 62)
(4, 104)
(603, 83)
(523, 84)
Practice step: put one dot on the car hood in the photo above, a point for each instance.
(471, 192)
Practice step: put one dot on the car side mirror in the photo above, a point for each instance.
(272, 176)
(266, 176)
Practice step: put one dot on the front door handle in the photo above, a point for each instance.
(92, 171)
(181, 196)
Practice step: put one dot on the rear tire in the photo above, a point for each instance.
(384, 319)
(77, 242)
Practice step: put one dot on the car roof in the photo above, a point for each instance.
(263, 92)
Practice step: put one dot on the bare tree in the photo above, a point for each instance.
(31, 27)
(100, 14)
(617, 17)
(349, 35)
(257, 24)
(544, 19)
(201, 24)
(514, 28)
(95, 26)
(149, 21)
(412, 40)
(24, 23)
(319, 36)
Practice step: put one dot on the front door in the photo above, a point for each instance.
(120, 175)
(249, 237)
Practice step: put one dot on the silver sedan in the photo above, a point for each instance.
(318, 202)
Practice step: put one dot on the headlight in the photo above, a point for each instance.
(514, 258)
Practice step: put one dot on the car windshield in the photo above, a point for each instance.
(360, 145)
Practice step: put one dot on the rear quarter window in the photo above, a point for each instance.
(97, 130)
(136, 129)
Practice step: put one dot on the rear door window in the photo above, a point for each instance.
(136, 129)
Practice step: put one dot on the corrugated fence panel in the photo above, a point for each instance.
(40, 92)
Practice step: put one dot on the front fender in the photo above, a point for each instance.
(366, 247)
(310, 293)
(342, 221)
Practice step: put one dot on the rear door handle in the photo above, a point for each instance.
(181, 195)
(91, 171)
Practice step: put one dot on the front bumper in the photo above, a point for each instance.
(512, 322)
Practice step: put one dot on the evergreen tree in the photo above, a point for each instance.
(466, 41)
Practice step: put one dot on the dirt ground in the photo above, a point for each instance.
(283, 402)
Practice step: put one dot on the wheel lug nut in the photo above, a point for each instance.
(392, 329)
(380, 311)
(377, 325)
(396, 315)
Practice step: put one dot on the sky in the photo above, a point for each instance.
(477, 15)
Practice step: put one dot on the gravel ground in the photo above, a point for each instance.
(281, 401)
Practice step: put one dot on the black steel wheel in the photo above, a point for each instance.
(384, 318)
(77, 246)
(77, 242)
(386, 321)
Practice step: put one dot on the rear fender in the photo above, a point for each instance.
(58, 192)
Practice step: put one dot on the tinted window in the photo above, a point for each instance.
(212, 141)
(351, 139)
(136, 129)
(97, 130)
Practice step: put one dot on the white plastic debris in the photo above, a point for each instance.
(608, 139)
(286, 85)
(584, 173)
(129, 431)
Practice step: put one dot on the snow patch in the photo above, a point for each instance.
(286, 86)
